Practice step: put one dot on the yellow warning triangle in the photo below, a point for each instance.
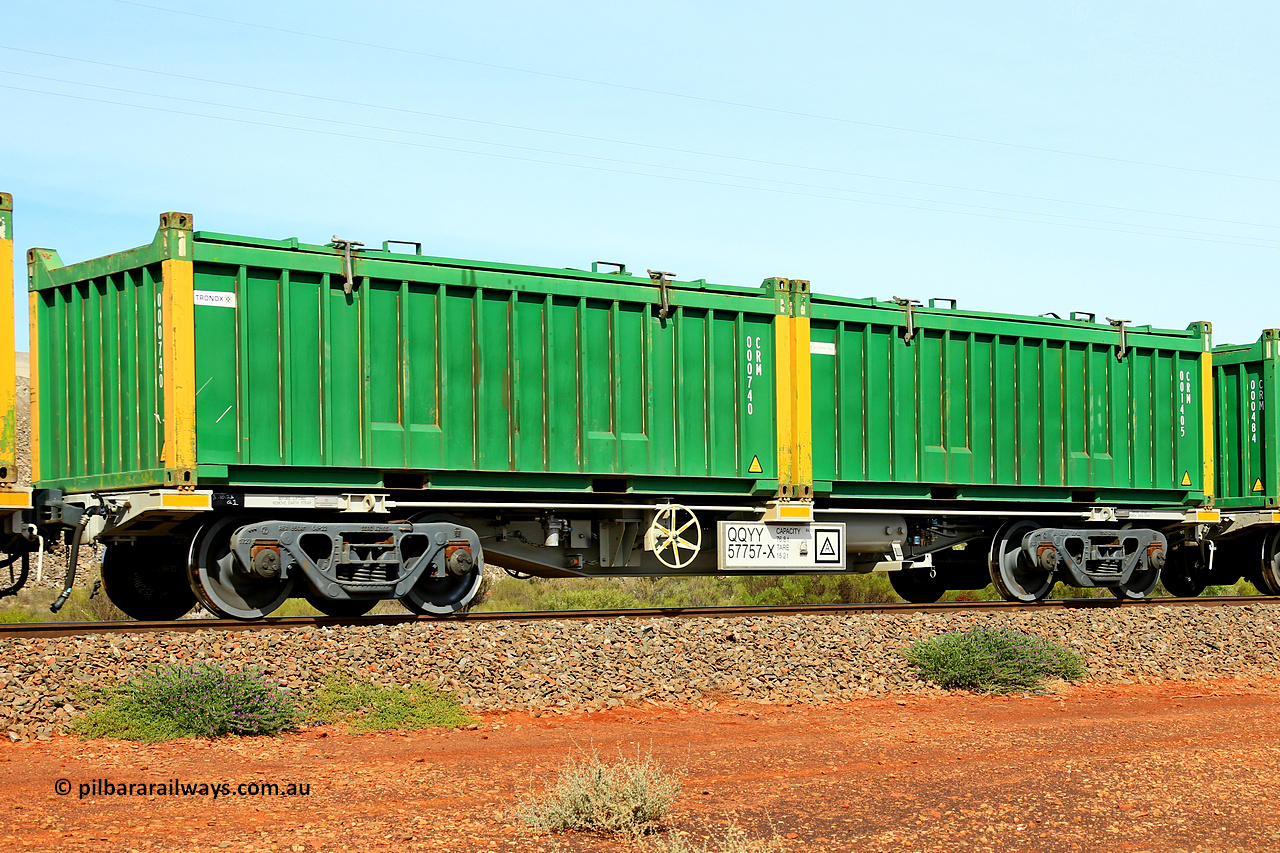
(1257, 485)
(1186, 478)
(755, 467)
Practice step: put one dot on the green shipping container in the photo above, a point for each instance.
(951, 404)
(1248, 438)
(233, 361)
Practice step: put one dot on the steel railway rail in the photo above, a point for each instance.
(21, 630)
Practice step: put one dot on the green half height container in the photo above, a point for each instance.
(215, 360)
(934, 403)
(1248, 435)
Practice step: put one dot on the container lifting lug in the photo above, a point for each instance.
(346, 246)
(662, 279)
(910, 306)
(1124, 348)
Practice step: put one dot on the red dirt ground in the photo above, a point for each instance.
(1178, 766)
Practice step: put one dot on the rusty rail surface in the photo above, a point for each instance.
(76, 629)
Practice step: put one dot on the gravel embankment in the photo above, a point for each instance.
(575, 665)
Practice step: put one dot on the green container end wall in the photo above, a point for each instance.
(1000, 407)
(431, 372)
(99, 377)
(1248, 435)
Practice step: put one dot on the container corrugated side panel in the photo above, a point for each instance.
(100, 404)
(1247, 440)
(481, 376)
(986, 406)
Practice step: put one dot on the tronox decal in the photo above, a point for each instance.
(215, 298)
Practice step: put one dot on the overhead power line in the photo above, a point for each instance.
(632, 143)
(1047, 220)
(698, 98)
(620, 161)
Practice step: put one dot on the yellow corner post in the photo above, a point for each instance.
(794, 393)
(783, 327)
(802, 392)
(39, 263)
(177, 304)
(8, 368)
(33, 299)
(1207, 407)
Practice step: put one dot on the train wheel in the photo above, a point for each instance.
(1268, 580)
(919, 586)
(1142, 584)
(1016, 577)
(147, 579)
(222, 584)
(1184, 574)
(345, 609)
(444, 596)
(451, 594)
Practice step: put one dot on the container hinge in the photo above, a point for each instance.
(346, 246)
(662, 279)
(909, 305)
(1124, 347)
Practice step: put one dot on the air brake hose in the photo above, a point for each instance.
(71, 564)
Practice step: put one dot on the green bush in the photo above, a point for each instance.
(993, 660)
(783, 590)
(728, 839)
(625, 798)
(17, 614)
(371, 707)
(198, 701)
(509, 594)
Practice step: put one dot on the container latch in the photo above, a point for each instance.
(346, 246)
(1124, 348)
(662, 279)
(910, 306)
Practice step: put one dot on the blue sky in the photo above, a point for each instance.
(1114, 158)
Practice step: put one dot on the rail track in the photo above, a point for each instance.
(23, 630)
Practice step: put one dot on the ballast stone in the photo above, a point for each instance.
(566, 666)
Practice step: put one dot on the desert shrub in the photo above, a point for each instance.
(728, 839)
(993, 660)
(1240, 587)
(627, 797)
(367, 707)
(17, 614)
(782, 590)
(609, 593)
(198, 701)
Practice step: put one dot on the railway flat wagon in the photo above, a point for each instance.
(243, 420)
(193, 388)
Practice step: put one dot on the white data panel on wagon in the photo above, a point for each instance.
(760, 545)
